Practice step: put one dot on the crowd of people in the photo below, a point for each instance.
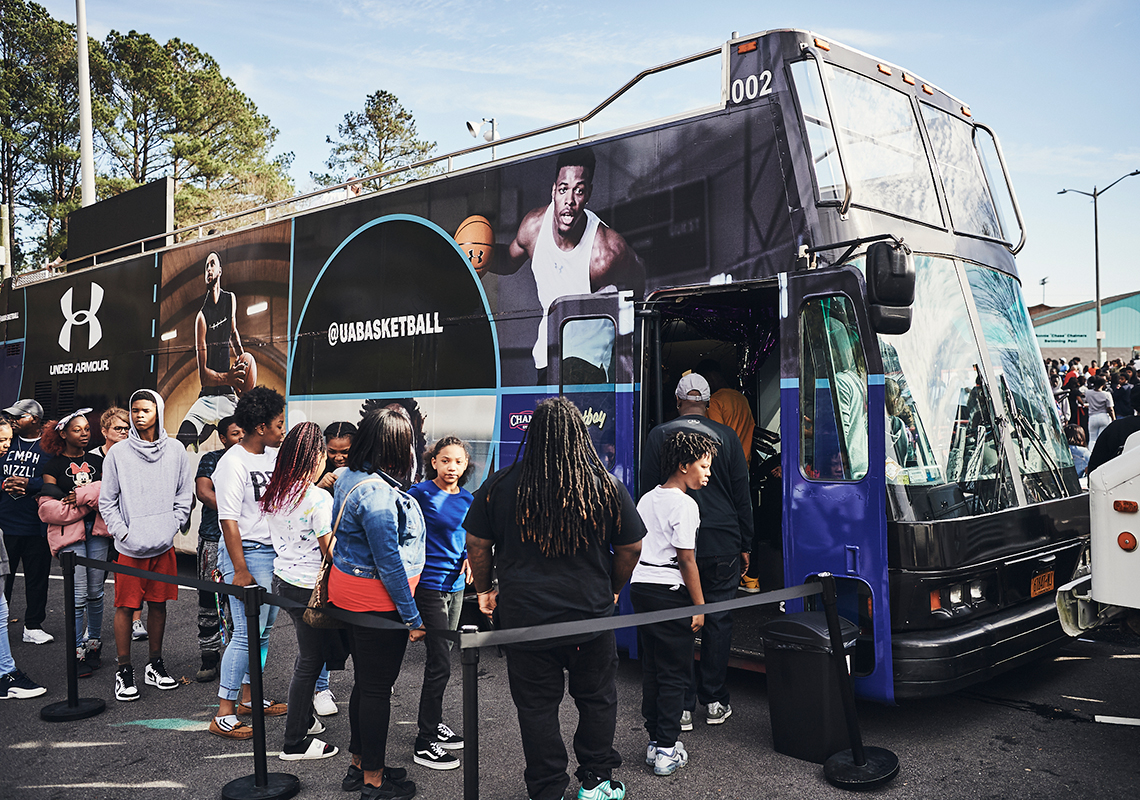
(1090, 399)
(551, 538)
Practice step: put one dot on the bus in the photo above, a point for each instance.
(838, 233)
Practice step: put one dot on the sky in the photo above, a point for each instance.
(1055, 79)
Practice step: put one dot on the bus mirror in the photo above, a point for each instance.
(890, 275)
(890, 319)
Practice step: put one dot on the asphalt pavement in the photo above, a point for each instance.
(1033, 733)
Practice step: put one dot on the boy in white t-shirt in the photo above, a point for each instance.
(665, 577)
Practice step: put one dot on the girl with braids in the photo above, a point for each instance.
(667, 577)
(300, 523)
(338, 441)
(547, 524)
(439, 595)
(377, 558)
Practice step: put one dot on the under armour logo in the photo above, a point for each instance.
(84, 316)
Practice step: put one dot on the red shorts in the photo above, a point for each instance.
(130, 591)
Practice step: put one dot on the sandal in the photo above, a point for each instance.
(316, 750)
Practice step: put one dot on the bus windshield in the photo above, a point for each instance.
(967, 192)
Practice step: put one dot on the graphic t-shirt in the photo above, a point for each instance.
(671, 520)
(239, 481)
(72, 472)
(446, 540)
(20, 516)
(295, 534)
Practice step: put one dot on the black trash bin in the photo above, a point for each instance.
(803, 697)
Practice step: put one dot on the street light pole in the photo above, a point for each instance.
(1096, 254)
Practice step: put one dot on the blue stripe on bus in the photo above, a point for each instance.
(876, 380)
(289, 318)
(312, 398)
(789, 383)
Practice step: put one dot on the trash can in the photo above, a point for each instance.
(803, 696)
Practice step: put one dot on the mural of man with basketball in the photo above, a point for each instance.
(215, 331)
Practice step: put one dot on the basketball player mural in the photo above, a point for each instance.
(571, 251)
(215, 332)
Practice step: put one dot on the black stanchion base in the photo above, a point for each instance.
(62, 712)
(842, 772)
(278, 786)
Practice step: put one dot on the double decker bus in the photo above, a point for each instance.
(837, 232)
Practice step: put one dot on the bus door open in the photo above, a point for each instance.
(831, 394)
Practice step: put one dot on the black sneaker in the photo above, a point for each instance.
(155, 675)
(82, 667)
(429, 754)
(18, 686)
(448, 739)
(125, 688)
(389, 790)
(94, 653)
(354, 780)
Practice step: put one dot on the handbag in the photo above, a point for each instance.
(316, 614)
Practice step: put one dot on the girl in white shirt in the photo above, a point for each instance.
(666, 576)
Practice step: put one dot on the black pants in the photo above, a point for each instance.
(537, 680)
(36, 556)
(310, 659)
(439, 611)
(376, 658)
(720, 576)
(666, 653)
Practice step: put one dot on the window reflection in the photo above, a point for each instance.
(971, 208)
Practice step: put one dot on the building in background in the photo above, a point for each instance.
(1067, 331)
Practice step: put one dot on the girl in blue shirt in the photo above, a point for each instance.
(439, 595)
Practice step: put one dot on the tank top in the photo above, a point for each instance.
(219, 323)
(559, 272)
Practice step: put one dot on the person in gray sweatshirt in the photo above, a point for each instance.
(145, 499)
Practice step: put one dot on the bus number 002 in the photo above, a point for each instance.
(750, 88)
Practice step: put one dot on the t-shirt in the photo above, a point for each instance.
(208, 528)
(534, 589)
(730, 408)
(20, 516)
(446, 541)
(239, 481)
(1099, 402)
(72, 472)
(295, 535)
(671, 520)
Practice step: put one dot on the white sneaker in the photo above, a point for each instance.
(37, 636)
(324, 703)
(686, 720)
(718, 713)
(155, 675)
(667, 764)
(138, 632)
(651, 753)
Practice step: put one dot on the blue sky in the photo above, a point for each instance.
(1056, 80)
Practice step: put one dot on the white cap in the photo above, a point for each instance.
(692, 382)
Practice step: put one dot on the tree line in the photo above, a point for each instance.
(158, 109)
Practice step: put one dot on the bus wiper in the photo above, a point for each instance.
(1023, 427)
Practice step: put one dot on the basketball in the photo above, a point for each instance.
(250, 381)
(477, 240)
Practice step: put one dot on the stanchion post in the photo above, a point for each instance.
(858, 768)
(74, 707)
(262, 785)
(470, 660)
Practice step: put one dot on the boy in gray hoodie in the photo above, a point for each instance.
(147, 486)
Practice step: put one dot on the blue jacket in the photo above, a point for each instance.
(380, 536)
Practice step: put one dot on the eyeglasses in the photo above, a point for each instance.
(121, 428)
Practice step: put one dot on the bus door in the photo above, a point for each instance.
(831, 381)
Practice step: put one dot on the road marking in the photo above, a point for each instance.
(174, 724)
(149, 785)
(244, 755)
(1118, 720)
(1081, 699)
(1128, 655)
(60, 745)
(1073, 658)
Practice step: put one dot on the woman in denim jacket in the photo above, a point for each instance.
(377, 559)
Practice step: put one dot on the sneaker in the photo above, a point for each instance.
(271, 708)
(324, 703)
(94, 653)
(230, 728)
(155, 675)
(389, 790)
(448, 739)
(749, 585)
(718, 713)
(429, 754)
(209, 669)
(316, 727)
(138, 632)
(82, 668)
(667, 763)
(16, 685)
(594, 788)
(354, 780)
(37, 636)
(686, 720)
(125, 688)
(651, 754)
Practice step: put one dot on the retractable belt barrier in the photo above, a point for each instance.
(264, 785)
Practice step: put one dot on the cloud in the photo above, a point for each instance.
(1069, 160)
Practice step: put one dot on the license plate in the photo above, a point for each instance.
(1041, 583)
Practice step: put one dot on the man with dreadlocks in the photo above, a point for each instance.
(548, 523)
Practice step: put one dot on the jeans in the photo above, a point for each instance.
(376, 658)
(720, 576)
(36, 556)
(209, 618)
(666, 653)
(7, 663)
(537, 684)
(439, 611)
(89, 587)
(322, 683)
(310, 661)
(1097, 424)
(235, 661)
